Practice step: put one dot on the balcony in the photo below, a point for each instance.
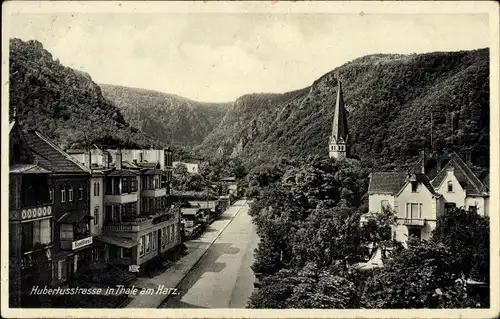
(156, 192)
(31, 213)
(413, 222)
(120, 198)
(139, 223)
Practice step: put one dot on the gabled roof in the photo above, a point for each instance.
(486, 181)
(339, 126)
(50, 156)
(465, 176)
(153, 172)
(424, 180)
(386, 182)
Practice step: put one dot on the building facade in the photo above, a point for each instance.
(419, 201)
(138, 221)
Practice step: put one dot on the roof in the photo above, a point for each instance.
(486, 181)
(117, 241)
(153, 172)
(123, 172)
(74, 217)
(386, 182)
(339, 126)
(50, 156)
(424, 180)
(28, 169)
(465, 176)
(147, 164)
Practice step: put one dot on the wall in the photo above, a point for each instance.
(76, 205)
(97, 203)
(457, 196)
(375, 202)
(423, 196)
(479, 202)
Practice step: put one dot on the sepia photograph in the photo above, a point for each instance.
(189, 157)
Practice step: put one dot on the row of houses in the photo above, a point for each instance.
(82, 211)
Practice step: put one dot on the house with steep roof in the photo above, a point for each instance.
(460, 187)
(49, 199)
(419, 201)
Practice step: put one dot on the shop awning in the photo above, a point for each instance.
(74, 217)
(117, 241)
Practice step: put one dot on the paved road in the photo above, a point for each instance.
(222, 278)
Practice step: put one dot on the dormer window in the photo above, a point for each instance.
(414, 187)
(450, 187)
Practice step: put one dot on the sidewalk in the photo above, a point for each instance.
(174, 275)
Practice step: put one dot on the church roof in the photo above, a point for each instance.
(339, 126)
(465, 176)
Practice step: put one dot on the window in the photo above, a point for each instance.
(163, 235)
(448, 207)
(63, 194)
(473, 209)
(96, 215)
(415, 211)
(80, 192)
(95, 189)
(153, 240)
(148, 243)
(126, 253)
(129, 209)
(95, 254)
(70, 193)
(66, 232)
(173, 233)
(450, 187)
(384, 204)
(414, 232)
(141, 246)
(51, 195)
(109, 213)
(414, 187)
(129, 185)
(168, 235)
(61, 270)
(98, 188)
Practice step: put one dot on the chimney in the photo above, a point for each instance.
(105, 159)
(118, 163)
(87, 159)
(422, 156)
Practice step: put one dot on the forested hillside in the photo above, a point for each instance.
(389, 99)
(170, 118)
(64, 104)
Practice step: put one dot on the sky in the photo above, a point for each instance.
(217, 57)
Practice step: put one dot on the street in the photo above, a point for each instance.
(222, 278)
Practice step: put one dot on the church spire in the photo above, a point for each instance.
(338, 138)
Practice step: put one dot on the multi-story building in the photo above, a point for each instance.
(139, 223)
(419, 201)
(49, 192)
(30, 220)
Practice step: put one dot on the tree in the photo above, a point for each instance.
(421, 276)
(466, 235)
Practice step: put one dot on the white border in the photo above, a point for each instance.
(351, 7)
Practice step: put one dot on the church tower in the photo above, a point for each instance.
(338, 139)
